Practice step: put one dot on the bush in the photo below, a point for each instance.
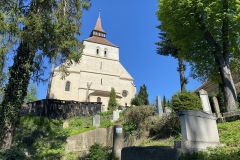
(136, 117)
(165, 126)
(29, 140)
(185, 101)
(99, 152)
(12, 153)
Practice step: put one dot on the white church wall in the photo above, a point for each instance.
(58, 87)
(90, 49)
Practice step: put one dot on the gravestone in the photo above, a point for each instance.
(96, 120)
(205, 101)
(65, 124)
(167, 110)
(115, 115)
(199, 131)
(159, 105)
(216, 107)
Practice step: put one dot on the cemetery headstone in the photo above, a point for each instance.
(167, 110)
(199, 131)
(216, 107)
(65, 124)
(115, 115)
(159, 105)
(96, 120)
(205, 101)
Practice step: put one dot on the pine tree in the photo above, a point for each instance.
(164, 101)
(143, 95)
(112, 102)
(141, 98)
(166, 48)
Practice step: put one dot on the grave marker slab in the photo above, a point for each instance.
(115, 115)
(199, 131)
(216, 107)
(205, 101)
(159, 105)
(96, 120)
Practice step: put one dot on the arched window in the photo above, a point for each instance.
(105, 53)
(97, 51)
(98, 99)
(67, 86)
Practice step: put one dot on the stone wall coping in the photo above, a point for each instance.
(149, 147)
(196, 113)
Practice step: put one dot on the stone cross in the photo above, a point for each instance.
(205, 101)
(216, 107)
(88, 87)
(159, 105)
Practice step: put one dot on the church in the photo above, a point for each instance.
(99, 70)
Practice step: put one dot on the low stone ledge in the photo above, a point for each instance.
(230, 114)
(196, 113)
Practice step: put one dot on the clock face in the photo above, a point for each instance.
(124, 94)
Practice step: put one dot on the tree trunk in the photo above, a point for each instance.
(50, 78)
(181, 69)
(230, 94)
(7, 141)
(15, 92)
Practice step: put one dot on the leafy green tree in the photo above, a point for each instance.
(40, 28)
(207, 33)
(166, 48)
(31, 93)
(112, 102)
(185, 101)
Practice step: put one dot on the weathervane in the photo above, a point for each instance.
(99, 11)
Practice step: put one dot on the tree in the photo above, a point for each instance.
(31, 93)
(40, 28)
(166, 48)
(164, 102)
(136, 101)
(185, 101)
(112, 102)
(207, 33)
(141, 98)
(143, 95)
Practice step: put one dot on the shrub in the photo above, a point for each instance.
(98, 152)
(28, 140)
(136, 117)
(185, 101)
(12, 153)
(165, 126)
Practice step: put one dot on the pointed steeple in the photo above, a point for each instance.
(98, 35)
(98, 26)
(98, 31)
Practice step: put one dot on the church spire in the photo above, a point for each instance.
(98, 31)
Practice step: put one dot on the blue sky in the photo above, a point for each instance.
(131, 25)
